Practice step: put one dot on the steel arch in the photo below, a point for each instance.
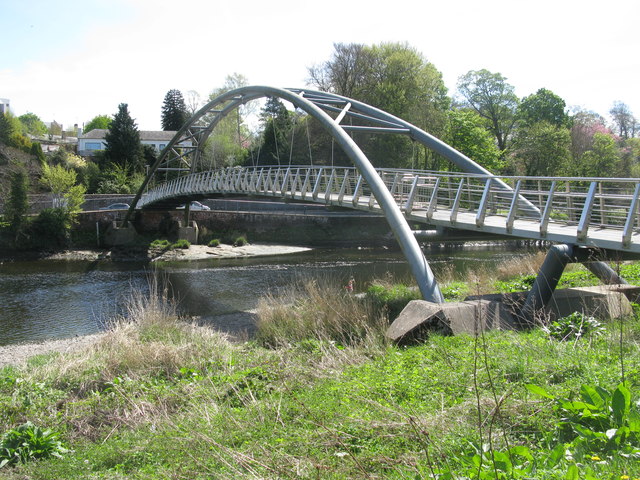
(318, 104)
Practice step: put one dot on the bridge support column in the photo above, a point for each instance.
(605, 273)
(547, 280)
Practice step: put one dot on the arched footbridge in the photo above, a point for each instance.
(582, 215)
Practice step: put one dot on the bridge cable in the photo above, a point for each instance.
(293, 133)
(309, 142)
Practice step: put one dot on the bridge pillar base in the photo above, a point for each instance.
(119, 235)
(189, 233)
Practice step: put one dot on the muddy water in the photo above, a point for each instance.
(42, 300)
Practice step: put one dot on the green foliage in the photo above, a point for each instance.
(17, 204)
(9, 126)
(518, 284)
(32, 125)
(455, 291)
(160, 243)
(102, 122)
(392, 297)
(182, 244)
(51, 228)
(214, 242)
(36, 150)
(541, 149)
(240, 241)
(28, 442)
(601, 160)
(493, 99)
(123, 145)
(574, 327)
(119, 179)
(543, 106)
(62, 183)
(601, 422)
(174, 111)
(468, 135)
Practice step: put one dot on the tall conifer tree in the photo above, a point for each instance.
(123, 141)
(174, 111)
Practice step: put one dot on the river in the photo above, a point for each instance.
(51, 299)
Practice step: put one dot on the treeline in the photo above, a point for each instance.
(484, 119)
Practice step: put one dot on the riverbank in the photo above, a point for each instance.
(150, 254)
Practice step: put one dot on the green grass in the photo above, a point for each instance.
(159, 397)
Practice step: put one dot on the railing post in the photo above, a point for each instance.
(316, 186)
(356, 193)
(513, 209)
(482, 208)
(544, 220)
(433, 201)
(408, 206)
(456, 202)
(328, 192)
(628, 226)
(343, 187)
(585, 218)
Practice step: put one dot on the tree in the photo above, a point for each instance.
(493, 99)
(602, 160)
(623, 120)
(468, 135)
(174, 111)
(277, 121)
(102, 122)
(17, 204)
(36, 150)
(9, 126)
(32, 125)
(542, 149)
(123, 141)
(584, 125)
(193, 102)
(395, 78)
(543, 106)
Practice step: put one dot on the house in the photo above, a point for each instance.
(94, 140)
(4, 105)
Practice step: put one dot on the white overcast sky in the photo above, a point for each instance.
(70, 60)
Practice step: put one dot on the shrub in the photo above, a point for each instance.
(160, 243)
(214, 243)
(51, 228)
(573, 326)
(28, 442)
(240, 241)
(392, 297)
(182, 243)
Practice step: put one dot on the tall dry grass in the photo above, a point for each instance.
(318, 310)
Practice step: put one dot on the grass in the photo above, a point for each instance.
(320, 394)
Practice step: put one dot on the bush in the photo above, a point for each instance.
(160, 243)
(240, 241)
(573, 327)
(28, 442)
(182, 243)
(51, 228)
(214, 243)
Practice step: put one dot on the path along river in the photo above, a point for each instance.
(52, 299)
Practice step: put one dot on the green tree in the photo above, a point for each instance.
(397, 79)
(17, 205)
(36, 150)
(542, 149)
(543, 106)
(102, 122)
(174, 111)
(468, 135)
(9, 126)
(123, 145)
(493, 99)
(277, 122)
(229, 141)
(602, 160)
(32, 125)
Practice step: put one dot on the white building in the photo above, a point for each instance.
(94, 140)
(4, 105)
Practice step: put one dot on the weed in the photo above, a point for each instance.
(240, 241)
(214, 243)
(182, 243)
(573, 327)
(27, 442)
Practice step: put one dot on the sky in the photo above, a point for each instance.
(70, 60)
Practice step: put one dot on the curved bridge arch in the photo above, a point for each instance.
(319, 104)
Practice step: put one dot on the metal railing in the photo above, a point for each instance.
(533, 207)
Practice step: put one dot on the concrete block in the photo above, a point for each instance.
(189, 233)
(420, 318)
(603, 302)
(116, 235)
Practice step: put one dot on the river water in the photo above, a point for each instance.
(47, 299)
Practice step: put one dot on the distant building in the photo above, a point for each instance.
(4, 105)
(94, 140)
